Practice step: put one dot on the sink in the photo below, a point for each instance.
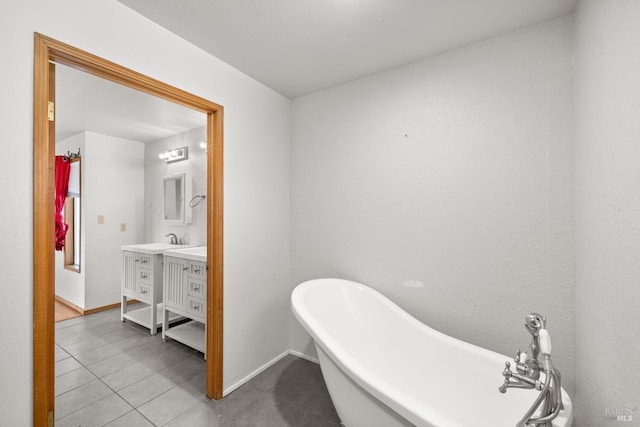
(152, 248)
(198, 253)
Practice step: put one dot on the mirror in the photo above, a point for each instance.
(174, 199)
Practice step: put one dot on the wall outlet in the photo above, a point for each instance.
(100, 219)
(123, 227)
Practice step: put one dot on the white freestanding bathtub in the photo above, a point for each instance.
(384, 368)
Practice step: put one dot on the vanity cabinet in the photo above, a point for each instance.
(185, 294)
(142, 281)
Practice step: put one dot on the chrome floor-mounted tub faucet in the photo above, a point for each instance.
(527, 374)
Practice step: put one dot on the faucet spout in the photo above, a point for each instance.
(174, 238)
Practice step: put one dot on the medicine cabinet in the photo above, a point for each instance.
(177, 190)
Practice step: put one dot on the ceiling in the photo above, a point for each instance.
(88, 103)
(297, 47)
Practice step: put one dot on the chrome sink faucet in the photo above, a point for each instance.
(527, 375)
(174, 239)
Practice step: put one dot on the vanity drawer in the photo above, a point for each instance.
(145, 292)
(197, 288)
(145, 260)
(197, 270)
(197, 307)
(144, 276)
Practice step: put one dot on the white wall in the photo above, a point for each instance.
(155, 171)
(607, 129)
(114, 188)
(70, 284)
(256, 180)
(455, 171)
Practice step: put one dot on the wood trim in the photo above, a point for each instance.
(70, 305)
(63, 53)
(215, 262)
(45, 50)
(108, 307)
(43, 240)
(84, 312)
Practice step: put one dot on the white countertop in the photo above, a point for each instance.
(152, 248)
(198, 253)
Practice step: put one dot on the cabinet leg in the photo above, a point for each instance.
(154, 318)
(165, 323)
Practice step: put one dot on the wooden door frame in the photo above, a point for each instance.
(47, 50)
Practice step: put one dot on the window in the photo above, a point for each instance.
(72, 218)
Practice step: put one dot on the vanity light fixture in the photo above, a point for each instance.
(176, 155)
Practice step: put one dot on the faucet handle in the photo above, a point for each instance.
(545, 342)
(507, 370)
(522, 366)
(517, 357)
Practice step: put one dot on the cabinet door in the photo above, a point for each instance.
(129, 275)
(175, 282)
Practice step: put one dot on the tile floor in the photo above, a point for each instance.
(110, 373)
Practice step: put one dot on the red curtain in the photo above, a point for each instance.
(63, 169)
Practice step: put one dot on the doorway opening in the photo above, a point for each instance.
(47, 53)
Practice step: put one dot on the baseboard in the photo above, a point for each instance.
(84, 312)
(265, 367)
(109, 307)
(304, 356)
(70, 305)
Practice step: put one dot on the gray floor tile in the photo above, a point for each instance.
(60, 354)
(124, 359)
(130, 419)
(66, 365)
(127, 376)
(157, 362)
(163, 383)
(73, 379)
(84, 324)
(80, 397)
(169, 405)
(70, 322)
(139, 393)
(267, 379)
(97, 414)
(317, 409)
(297, 382)
(167, 357)
(203, 414)
(264, 410)
(97, 354)
(91, 341)
(152, 386)
(185, 369)
(306, 419)
(238, 401)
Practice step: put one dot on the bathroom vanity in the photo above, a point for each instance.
(185, 294)
(142, 281)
